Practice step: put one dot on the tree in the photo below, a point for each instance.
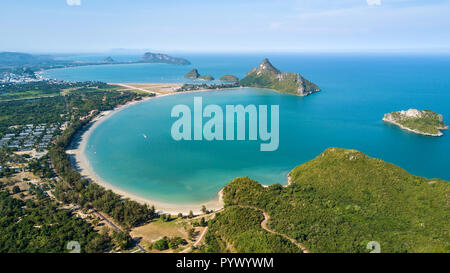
(161, 244)
(180, 215)
(16, 189)
(191, 233)
(191, 214)
(123, 240)
(203, 223)
(204, 210)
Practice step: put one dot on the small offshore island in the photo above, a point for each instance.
(193, 74)
(425, 122)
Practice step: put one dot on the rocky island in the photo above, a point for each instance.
(267, 76)
(162, 59)
(229, 78)
(193, 74)
(425, 122)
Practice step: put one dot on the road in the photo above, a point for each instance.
(266, 228)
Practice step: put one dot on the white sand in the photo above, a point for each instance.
(82, 165)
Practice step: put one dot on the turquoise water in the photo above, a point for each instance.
(357, 91)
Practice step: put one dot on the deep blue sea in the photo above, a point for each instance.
(357, 90)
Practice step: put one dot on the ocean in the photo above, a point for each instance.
(133, 150)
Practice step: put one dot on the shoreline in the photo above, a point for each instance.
(81, 164)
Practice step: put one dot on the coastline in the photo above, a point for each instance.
(81, 164)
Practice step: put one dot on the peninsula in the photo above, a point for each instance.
(425, 122)
(267, 76)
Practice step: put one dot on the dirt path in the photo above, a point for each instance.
(266, 228)
(195, 244)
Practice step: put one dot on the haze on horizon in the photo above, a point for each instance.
(63, 26)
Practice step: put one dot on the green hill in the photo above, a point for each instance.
(206, 78)
(267, 76)
(340, 201)
(229, 78)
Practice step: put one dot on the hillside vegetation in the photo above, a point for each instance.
(238, 229)
(343, 199)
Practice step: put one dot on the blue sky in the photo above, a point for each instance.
(225, 26)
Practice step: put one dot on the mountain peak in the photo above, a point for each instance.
(265, 65)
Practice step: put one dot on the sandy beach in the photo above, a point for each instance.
(81, 164)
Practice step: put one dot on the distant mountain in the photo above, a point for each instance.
(109, 60)
(162, 58)
(267, 76)
(15, 59)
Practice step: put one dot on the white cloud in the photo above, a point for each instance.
(73, 2)
(374, 2)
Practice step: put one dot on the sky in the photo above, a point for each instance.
(69, 26)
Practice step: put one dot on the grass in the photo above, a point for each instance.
(157, 229)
